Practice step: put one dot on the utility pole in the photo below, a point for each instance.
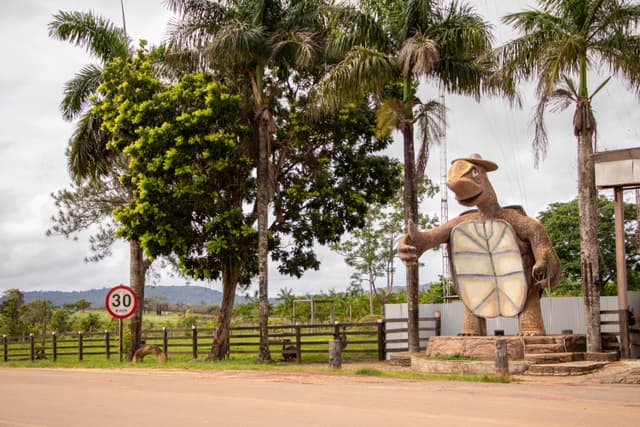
(124, 23)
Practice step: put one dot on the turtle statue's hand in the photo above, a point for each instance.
(406, 249)
(540, 273)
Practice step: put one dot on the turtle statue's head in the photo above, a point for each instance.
(468, 179)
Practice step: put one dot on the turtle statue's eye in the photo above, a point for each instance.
(474, 172)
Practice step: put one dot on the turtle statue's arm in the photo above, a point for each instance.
(413, 244)
(546, 270)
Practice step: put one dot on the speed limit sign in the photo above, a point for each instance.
(121, 302)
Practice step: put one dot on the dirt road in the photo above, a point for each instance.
(150, 397)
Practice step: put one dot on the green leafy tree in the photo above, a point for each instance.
(255, 43)
(193, 179)
(82, 304)
(563, 226)
(90, 322)
(12, 310)
(284, 308)
(386, 48)
(560, 40)
(370, 250)
(61, 320)
(95, 169)
(188, 172)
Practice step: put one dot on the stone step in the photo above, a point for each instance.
(547, 358)
(604, 356)
(541, 339)
(544, 348)
(565, 369)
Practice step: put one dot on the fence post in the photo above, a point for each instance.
(194, 342)
(107, 344)
(228, 356)
(80, 346)
(5, 348)
(382, 350)
(336, 330)
(502, 358)
(32, 347)
(298, 345)
(438, 323)
(165, 340)
(54, 345)
(335, 354)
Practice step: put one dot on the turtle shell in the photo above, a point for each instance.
(487, 268)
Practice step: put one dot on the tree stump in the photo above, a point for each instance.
(146, 349)
(335, 354)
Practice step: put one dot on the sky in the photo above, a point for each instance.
(33, 138)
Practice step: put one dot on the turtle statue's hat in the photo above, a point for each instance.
(477, 159)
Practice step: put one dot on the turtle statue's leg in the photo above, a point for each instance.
(473, 325)
(530, 318)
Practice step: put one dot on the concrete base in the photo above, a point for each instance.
(483, 347)
(433, 366)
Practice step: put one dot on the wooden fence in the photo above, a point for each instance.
(366, 340)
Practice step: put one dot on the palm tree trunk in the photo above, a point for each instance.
(410, 206)
(137, 270)
(584, 127)
(262, 201)
(220, 346)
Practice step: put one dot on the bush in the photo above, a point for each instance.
(61, 320)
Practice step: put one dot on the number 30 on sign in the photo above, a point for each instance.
(121, 302)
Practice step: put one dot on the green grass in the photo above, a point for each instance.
(456, 356)
(371, 372)
(250, 364)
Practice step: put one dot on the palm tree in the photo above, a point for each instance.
(566, 38)
(388, 49)
(90, 163)
(250, 42)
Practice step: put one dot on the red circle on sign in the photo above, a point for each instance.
(121, 302)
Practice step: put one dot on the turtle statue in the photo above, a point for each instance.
(501, 259)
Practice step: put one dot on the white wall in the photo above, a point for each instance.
(559, 313)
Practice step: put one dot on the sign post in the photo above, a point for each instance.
(121, 302)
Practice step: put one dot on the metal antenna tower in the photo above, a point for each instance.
(444, 203)
(444, 200)
(124, 23)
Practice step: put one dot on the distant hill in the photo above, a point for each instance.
(195, 295)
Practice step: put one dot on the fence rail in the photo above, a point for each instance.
(365, 340)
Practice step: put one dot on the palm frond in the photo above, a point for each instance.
(619, 54)
(540, 137)
(351, 28)
(362, 72)
(558, 58)
(413, 15)
(388, 116)
(301, 46)
(557, 100)
(238, 43)
(99, 36)
(197, 22)
(418, 55)
(78, 90)
(463, 39)
(600, 87)
(431, 118)
(87, 154)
